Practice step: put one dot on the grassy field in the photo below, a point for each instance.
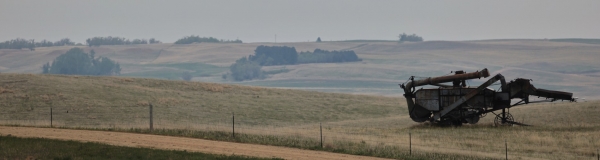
(560, 64)
(40, 148)
(357, 124)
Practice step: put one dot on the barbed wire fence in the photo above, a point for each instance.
(317, 134)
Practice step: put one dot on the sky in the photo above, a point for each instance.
(298, 20)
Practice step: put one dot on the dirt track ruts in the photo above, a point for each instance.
(175, 143)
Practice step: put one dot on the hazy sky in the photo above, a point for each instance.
(298, 20)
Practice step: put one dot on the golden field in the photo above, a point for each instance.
(560, 130)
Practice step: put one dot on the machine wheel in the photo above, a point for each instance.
(457, 123)
(472, 120)
(508, 121)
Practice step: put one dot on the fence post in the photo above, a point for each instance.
(506, 149)
(151, 120)
(321, 133)
(409, 143)
(233, 124)
(51, 117)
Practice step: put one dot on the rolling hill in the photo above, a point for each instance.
(559, 65)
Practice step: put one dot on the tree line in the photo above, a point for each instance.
(62, 42)
(197, 39)
(325, 56)
(78, 62)
(97, 41)
(409, 38)
(20, 43)
(31, 44)
(274, 55)
(250, 67)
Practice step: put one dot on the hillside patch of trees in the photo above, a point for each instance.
(274, 55)
(77, 62)
(250, 68)
(244, 69)
(197, 39)
(62, 42)
(325, 56)
(19, 43)
(410, 38)
(98, 41)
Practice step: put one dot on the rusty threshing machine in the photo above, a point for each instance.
(457, 103)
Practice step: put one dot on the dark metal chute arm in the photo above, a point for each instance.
(443, 79)
(553, 94)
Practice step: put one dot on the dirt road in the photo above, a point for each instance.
(175, 143)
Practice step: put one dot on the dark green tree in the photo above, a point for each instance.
(319, 39)
(77, 62)
(244, 69)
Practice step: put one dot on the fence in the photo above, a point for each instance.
(287, 131)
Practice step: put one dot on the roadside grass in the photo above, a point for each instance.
(41, 148)
(295, 141)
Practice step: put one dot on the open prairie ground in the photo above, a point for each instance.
(370, 125)
(557, 65)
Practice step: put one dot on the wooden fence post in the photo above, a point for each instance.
(321, 133)
(409, 143)
(506, 149)
(233, 124)
(151, 119)
(51, 117)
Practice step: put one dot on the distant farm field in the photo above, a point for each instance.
(359, 124)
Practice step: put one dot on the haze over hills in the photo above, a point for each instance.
(565, 66)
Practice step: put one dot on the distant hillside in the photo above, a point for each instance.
(557, 65)
(577, 40)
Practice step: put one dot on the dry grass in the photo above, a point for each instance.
(118, 98)
(559, 131)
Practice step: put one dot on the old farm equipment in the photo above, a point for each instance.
(457, 103)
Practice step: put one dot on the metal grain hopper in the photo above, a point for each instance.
(457, 103)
